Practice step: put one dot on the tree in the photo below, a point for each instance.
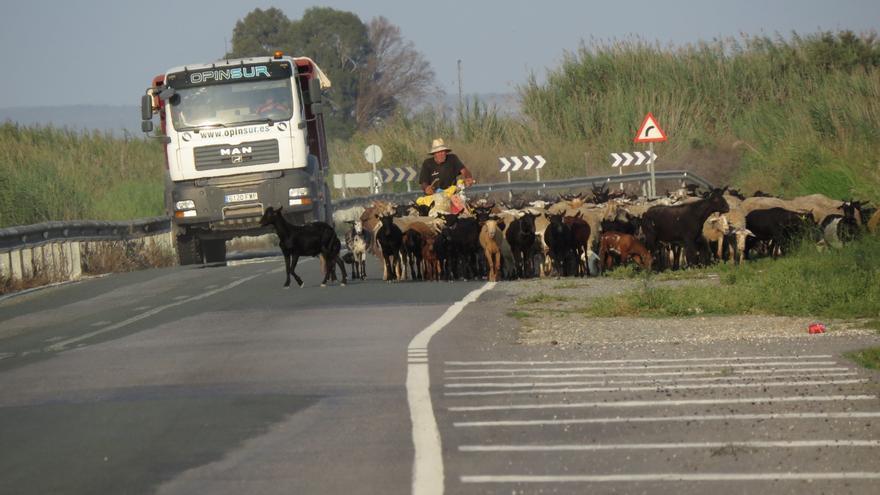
(338, 42)
(261, 32)
(394, 73)
(372, 68)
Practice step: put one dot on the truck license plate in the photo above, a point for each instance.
(237, 198)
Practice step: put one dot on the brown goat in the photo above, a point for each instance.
(491, 237)
(626, 246)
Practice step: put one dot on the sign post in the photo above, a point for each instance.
(373, 154)
(650, 132)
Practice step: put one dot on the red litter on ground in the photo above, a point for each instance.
(817, 328)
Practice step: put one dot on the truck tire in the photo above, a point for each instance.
(189, 250)
(215, 250)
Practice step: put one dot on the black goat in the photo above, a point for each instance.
(558, 238)
(463, 235)
(520, 234)
(313, 239)
(412, 249)
(390, 240)
(681, 225)
(779, 228)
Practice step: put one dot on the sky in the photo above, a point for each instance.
(105, 52)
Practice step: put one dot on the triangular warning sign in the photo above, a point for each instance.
(650, 131)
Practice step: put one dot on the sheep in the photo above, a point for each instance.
(715, 229)
(314, 239)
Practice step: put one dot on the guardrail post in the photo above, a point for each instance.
(5, 265)
(75, 261)
(25, 259)
(57, 261)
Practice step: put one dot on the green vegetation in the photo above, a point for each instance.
(54, 174)
(867, 358)
(841, 283)
(540, 298)
(791, 117)
(787, 116)
(519, 315)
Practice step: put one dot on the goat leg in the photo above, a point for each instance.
(294, 259)
(342, 269)
(287, 269)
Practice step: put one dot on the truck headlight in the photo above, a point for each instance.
(298, 191)
(186, 204)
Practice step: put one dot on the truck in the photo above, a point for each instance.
(239, 135)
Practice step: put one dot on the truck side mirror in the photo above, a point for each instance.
(147, 125)
(314, 91)
(146, 107)
(317, 108)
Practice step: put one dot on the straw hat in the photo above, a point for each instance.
(438, 145)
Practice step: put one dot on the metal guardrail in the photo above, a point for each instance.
(86, 230)
(537, 186)
(82, 230)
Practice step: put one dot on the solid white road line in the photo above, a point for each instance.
(661, 373)
(658, 387)
(646, 367)
(657, 360)
(59, 346)
(651, 380)
(666, 403)
(661, 419)
(427, 475)
(791, 444)
(636, 478)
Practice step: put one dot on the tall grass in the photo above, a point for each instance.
(790, 116)
(48, 173)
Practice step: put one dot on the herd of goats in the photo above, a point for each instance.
(574, 236)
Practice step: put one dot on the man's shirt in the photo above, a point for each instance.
(445, 173)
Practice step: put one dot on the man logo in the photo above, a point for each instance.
(244, 150)
(236, 159)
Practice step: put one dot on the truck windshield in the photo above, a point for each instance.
(232, 104)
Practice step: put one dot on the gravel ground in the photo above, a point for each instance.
(551, 321)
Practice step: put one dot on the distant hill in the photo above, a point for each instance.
(115, 119)
(123, 118)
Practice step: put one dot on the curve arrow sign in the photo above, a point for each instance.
(517, 163)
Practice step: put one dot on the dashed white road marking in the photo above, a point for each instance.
(100, 323)
(663, 419)
(5, 355)
(141, 308)
(60, 346)
(427, 477)
(659, 387)
(662, 403)
(181, 298)
(672, 477)
(649, 360)
(789, 444)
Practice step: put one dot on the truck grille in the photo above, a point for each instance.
(236, 155)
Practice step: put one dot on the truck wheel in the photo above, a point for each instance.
(189, 250)
(215, 250)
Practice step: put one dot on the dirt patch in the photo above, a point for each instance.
(549, 313)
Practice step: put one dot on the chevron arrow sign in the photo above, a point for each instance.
(516, 163)
(626, 159)
(397, 174)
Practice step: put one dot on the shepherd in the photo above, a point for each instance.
(440, 174)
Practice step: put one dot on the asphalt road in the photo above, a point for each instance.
(211, 380)
(216, 380)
